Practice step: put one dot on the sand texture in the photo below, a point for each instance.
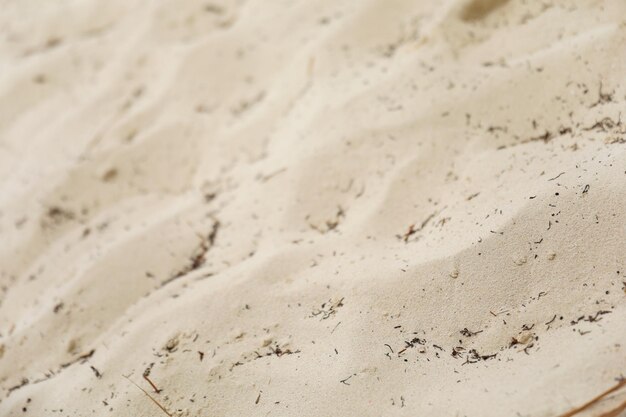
(312, 208)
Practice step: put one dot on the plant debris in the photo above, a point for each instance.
(327, 309)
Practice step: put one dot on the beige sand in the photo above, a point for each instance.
(312, 208)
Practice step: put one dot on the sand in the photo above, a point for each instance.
(312, 208)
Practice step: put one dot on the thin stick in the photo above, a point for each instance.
(615, 412)
(158, 391)
(588, 404)
(149, 396)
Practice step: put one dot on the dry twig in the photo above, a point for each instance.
(612, 413)
(149, 396)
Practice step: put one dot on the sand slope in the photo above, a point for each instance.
(296, 208)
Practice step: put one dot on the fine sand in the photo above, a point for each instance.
(312, 208)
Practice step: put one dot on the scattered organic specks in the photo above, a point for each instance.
(345, 380)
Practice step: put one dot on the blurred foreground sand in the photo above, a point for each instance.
(312, 208)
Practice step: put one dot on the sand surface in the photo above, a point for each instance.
(312, 208)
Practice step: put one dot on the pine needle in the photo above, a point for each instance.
(149, 396)
(595, 400)
(615, 412)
